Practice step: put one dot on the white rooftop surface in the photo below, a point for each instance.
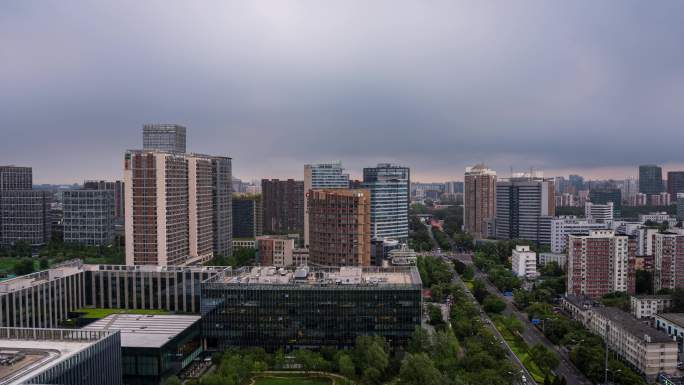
(57, 352)
(144, 331)
(270, 275)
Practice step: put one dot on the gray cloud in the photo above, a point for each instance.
(437, 85)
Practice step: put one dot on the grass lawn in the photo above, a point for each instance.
(292, 381)
(520, 349)
(101, 313)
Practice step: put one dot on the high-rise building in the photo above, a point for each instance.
(164, 137)
(650, 179)
(668, 250)
(117, 187)
(675, 183)
(524, 208)
(577, 182)
(561, 227)
(600, 263)
(454, 187)
(283, 202)
(389, 186)
(222, 202)
(247, 216)
(599, 213)
(340, 225)
(606, 195)
(321, 176)
(169, 208)
(680, 206)
(478, 199)
(629, 189)
(16, 178)
(89, 217)
(25, 216)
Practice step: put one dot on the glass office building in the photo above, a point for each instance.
(153, 347)
(303, 308)
(389, 188)
(61, 356)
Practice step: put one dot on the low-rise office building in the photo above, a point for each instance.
(153, 347)
(275, 250)
(309, 308)
(60, 356)
(524, 262)
(673, 325)
(647, 306)
(648, 350)
(560, 259)
(244, 243)
(44, 299)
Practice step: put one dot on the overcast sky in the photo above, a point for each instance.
(593, 87)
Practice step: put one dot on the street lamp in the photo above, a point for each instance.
(613, 372)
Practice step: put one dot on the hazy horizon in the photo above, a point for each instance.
(584, 87)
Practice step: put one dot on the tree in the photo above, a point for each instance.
(617, 299)
(418, 369)
(172, 380)
(44, 264)
(420, 341)
(644, 282)
(435, 313)
(493, 304)
(678, 300)
(545, 359)
(24, 266)
(346, 365)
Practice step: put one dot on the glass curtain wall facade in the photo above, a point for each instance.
(306, 316)
(98, 363)
(389, 186)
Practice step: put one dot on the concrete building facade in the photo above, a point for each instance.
(524, 208)
(599, 213)
(668, 269)
(25, 216)
(169, 208)
(283, 202)
(479, 191)
(600, 263)
(524, 262)
(561, 227)
(275, 250)
(318, 176)
(340, 226)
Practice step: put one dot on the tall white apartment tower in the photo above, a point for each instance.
(321, 176)
(169, 211)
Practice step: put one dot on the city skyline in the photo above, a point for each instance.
(278, 86)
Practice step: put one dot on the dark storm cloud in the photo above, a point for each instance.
(433, 85)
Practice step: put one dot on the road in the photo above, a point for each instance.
(531, 334)
(488, 322)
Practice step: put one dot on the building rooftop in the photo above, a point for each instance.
(144, 331)
(675, 318)
(321, 276)
(632, 325)
(59, 271)
(652, 296)
(29, 352)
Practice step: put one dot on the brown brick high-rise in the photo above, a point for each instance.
(283, 205)
(339, 227)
